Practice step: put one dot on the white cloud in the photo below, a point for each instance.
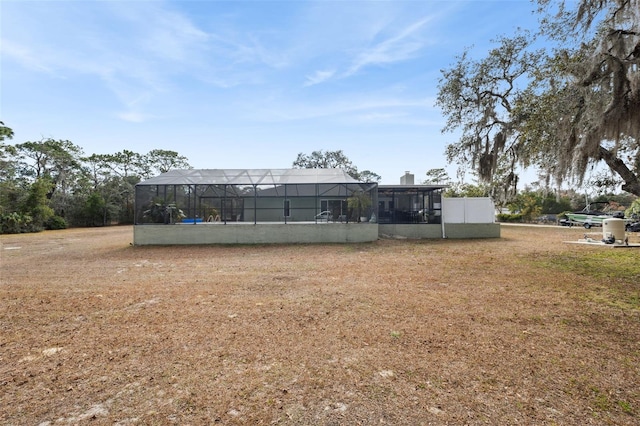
(171, 37)
(133, 116)
(23, 55)
(380, 42)
(318, 77)
(358, 107)
(402, 46)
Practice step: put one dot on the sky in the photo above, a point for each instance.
(244, 84)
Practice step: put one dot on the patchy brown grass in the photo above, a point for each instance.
(523, 329)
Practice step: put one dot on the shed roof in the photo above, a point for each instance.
(250, 177)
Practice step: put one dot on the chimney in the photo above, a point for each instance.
(407, 179)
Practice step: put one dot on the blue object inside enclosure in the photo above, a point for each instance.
(191, 220)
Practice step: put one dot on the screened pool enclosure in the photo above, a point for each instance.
(254, 196)
(410, 204)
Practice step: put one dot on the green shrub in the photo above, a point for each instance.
(506, 217)
(15, 223)
(55, 222)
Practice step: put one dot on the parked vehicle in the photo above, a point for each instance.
(324, 216)
(632, 227)
(589, 216)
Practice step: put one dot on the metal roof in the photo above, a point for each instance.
(250, 177)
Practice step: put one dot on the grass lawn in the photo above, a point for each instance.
(523, 329)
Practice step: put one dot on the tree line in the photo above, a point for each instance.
(52, 184)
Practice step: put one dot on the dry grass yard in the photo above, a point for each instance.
(524, 329)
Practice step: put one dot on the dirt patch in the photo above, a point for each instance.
(497, 331)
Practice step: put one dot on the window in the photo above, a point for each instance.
(287, 208)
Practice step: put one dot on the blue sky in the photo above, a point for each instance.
(243, 84)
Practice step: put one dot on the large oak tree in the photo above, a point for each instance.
(562, 111)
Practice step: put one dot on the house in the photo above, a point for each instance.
(252, 206)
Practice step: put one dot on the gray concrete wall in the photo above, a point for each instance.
(452, 230)
(472, 230)
(244, 233)
(417, 231)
